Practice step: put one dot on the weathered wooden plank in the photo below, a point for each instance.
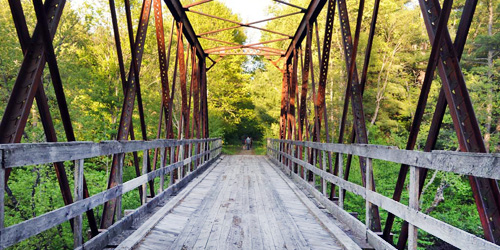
(102, 239)
(347, 219)
(349, 186)
(335, 231)
(77, 222)
(190, 233)
(442, 230)
(212, 231)
(289, 230)
(271, 238)
(14, 155)
(139, 234)
(413, 204)
(476, 164)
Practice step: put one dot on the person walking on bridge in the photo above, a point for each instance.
(248, 142)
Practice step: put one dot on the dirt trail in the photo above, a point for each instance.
(246, 152)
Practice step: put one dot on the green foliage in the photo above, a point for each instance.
(245, 100)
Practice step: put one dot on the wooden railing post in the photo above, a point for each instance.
(190, 153)
(314, 159)
(181, 159)
(2, 203)
(77, 222)
(196, 152)
(202, 149)
(172, 157)
(280, 156)
(341, 175)
(118, 209)
(413, 204)
(162, 167)
(306, 159)
(368, 187)
(323, 181)
(144, 171)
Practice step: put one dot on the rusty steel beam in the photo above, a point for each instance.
(364, 75)
(284, 111)
(218, 30)
(204, 99)
(135, 67)
(174, 77)
(164, 61)
(28, 80)
(245, 54)
(239, 46)
(45, 116)
(486, 191)
(305, 83)
(309, 17)
(274, 18)
(168, 107)
(422, 101)
(50, 57)
(320, 104)
(357, 103)
(127, 109)
(350, 71)
(214, 62)
(291, 95)
(187, 6)
(289, 4)
(179, 14)
(191, 89)
(196, 100)
(240, 24)
(182, 75)
(123, 77)
(275, 63)
(220, 41)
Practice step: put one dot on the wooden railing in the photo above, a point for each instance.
(284, 153)
(200, 154)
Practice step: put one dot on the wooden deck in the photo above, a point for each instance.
(242, 202)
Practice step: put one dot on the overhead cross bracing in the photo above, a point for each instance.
(252, 49)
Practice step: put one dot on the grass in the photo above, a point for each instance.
(230, 149)
(260, 148)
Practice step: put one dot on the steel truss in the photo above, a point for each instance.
(38, 50)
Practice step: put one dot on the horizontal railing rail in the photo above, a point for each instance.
(194, 156)
(284, 153)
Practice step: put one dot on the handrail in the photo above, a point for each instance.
(200, 154)
(476, 164)
(284, 154)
